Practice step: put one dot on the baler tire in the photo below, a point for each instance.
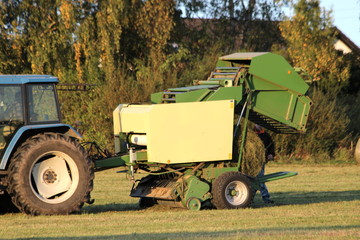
(50, 174)
(232, 190)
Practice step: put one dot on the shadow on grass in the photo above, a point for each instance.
(234, 234)
(300, 198)
(111, 207)
(319, 197)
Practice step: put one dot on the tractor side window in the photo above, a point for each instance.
(11, 108)
(42, 103)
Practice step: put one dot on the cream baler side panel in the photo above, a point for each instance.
(116, 118)
(191, 132)
(135, 118)
(117, 127)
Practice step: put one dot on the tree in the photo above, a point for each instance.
(236, 25)
(310, 37)
(154, 24)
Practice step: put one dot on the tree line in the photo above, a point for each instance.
(132, 48)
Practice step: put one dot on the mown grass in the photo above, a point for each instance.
(322, 202)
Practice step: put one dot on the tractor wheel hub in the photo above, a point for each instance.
(50, 176)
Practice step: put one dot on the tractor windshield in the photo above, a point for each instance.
(42, 103)
(11, 113)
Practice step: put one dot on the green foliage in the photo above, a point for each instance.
(354, 84)
(198, 67)
(353, 110)
(327, 123)
(310, 38)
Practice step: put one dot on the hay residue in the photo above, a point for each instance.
(254, 152)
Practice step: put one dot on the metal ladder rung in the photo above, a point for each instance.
(172, 93)
(217, 79)
(227, 68)
(224, 73)
(222, 77)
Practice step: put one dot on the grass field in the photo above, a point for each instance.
(322, 202)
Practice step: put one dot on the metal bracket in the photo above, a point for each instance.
(132, 155)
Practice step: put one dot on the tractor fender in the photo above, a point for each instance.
(25, 132)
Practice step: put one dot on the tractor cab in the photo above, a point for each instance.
(26, 100)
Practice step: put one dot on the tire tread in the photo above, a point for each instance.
(218, 190)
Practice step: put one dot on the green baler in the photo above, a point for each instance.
(183, 141)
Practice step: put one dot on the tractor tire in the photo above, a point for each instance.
(50, 174)
(232, 190)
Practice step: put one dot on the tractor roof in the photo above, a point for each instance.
(242, 56)
(23, 79)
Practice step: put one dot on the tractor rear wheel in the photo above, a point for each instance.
(50, 174)
(231, 190)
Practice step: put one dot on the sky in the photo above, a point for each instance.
(346, 14)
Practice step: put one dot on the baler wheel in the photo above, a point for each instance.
(232, 190)
(50, 174)
(193, 204)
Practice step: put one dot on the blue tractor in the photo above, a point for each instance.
(43, 168)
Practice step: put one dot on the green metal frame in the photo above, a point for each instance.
(275, 176)
(271, 177)
(118, 161)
